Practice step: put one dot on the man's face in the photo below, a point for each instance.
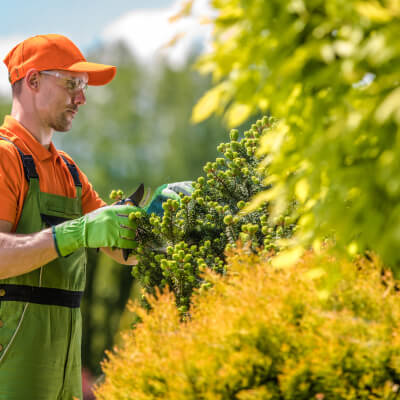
(61, 94)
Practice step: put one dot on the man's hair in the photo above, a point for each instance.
(16, 88)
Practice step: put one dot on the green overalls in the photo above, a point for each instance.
(40, 319)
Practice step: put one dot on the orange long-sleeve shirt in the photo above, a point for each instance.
(54, 176)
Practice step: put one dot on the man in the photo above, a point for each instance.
(49, 214)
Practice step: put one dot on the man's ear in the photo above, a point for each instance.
(32, 79)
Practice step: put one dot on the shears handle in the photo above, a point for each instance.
(126, 202)
(133, 200)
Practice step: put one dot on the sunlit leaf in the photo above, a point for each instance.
(390, 105)
(185, 10)
(302, 190)
(272, 142)
(373, 11)
(237, 114)
(174, 40)
(287, 258)
(260, 199)
(208, 104)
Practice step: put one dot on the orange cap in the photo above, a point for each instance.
(47, 52)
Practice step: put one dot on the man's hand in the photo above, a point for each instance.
(105, 227)
(118, 256)
(165, 192)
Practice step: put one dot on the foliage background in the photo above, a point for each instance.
(329, 70)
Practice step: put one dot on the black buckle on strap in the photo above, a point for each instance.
(40, 295)
(29, 167)
(27, 161)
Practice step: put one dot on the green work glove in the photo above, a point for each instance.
(105, 227)
(165, 192)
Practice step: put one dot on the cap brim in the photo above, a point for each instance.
(98, 74)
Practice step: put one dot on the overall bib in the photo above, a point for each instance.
(40, 319)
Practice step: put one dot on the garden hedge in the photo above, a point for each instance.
(266, 333)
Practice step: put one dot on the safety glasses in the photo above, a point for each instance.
(71, 83)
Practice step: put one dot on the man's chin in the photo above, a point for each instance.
(63, 128)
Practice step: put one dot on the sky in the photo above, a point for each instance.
(142, 24)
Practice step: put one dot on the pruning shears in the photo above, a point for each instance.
(133, 200)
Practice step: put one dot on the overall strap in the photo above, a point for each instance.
(27, 162)
(73, 171)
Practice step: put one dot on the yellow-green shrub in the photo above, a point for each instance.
(263, 333)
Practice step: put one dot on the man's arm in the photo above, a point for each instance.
(106, 227)
(20, 254)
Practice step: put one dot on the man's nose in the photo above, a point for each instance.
(79, 97)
